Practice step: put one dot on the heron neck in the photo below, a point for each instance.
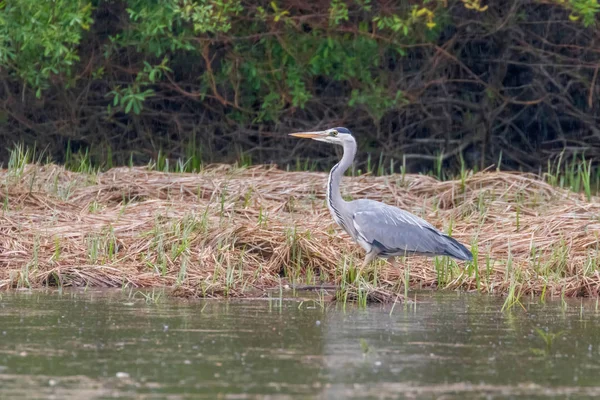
(337, 172)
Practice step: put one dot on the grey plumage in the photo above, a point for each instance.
(398, 232)
(382, 230)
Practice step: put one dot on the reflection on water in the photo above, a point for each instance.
(105, 345)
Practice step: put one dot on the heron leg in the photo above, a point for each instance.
(368, 259)
(395, 264)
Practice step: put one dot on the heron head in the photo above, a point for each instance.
(334, 135)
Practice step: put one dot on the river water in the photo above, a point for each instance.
(119, 344)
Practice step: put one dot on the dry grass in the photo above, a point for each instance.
(230, 231)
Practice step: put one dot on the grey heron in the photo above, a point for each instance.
(380, 229)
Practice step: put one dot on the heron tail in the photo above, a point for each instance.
(454, 248)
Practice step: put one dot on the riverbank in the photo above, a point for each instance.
(230, 231)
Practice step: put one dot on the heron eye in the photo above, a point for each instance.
(334, 133)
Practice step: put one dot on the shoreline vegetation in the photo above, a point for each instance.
(229, 231)
(446, 82)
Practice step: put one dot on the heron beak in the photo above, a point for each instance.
(311, 135)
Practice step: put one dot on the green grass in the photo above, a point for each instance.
(573, 172)
(150, 297)
(548, 338)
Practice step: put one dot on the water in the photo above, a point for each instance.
(451, 346)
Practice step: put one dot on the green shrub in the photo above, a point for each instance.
(423, 77)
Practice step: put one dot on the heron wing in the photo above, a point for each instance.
(394, 231)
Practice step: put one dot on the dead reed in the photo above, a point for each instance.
(230, 231)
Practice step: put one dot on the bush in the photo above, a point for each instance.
(428, 80)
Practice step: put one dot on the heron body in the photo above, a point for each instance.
(380, 229)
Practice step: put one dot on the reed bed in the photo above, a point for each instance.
(229, 231)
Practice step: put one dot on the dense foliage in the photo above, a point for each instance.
(427, 80)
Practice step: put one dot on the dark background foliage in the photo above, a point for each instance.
(218, 81)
